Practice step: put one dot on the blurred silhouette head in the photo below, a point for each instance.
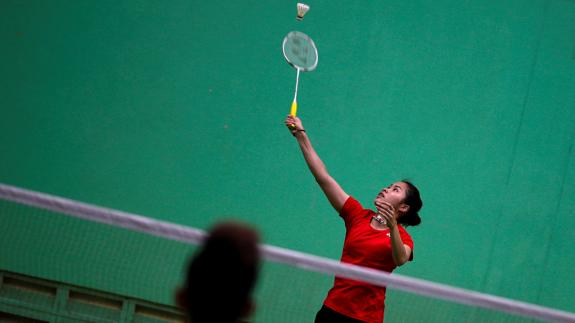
(221, 275)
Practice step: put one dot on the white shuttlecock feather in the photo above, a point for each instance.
(302, 9)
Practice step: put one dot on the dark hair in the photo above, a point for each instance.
(222, 274)
(413, 199)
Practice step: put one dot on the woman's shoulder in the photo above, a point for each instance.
(353, 208)
(351, 204)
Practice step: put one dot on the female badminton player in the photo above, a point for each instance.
(373, 239)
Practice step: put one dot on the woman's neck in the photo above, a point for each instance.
(377, 224)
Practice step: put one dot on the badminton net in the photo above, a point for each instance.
(307, 277)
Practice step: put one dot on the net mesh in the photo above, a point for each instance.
(145, 258)
(290, 294)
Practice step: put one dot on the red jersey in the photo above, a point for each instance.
(368, 247)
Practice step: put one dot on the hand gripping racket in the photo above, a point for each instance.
(300, 52)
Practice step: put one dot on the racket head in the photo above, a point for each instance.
(300, 51)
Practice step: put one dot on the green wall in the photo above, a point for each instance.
(175, 110)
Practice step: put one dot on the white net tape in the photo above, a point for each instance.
(281, 255)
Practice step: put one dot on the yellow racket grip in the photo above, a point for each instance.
(292, 113)
(293, 110)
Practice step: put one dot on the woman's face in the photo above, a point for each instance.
(393, 194)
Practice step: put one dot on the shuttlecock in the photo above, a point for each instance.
(302, 9)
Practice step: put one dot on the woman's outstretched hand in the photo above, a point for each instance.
(293, 124)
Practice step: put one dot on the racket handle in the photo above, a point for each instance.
(293, 111)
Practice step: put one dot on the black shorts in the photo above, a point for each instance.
(327, 315)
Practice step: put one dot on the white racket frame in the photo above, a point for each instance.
(308, 39)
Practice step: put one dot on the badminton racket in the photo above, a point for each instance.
(300, 51)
